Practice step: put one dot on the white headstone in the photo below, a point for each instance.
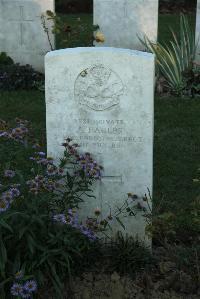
(198, 29)
(122, 21)
(103, 98)
(21, 34)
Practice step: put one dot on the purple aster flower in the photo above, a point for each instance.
(49, 185)
(39, 178)
(88, 233)
(4, 205)
(43, 161)
(61, 171)
(9, 173)
(16, 131)
(15, 192)
(15, 185)
(36, 146)
(74, 221)
(30, 286)
(60, 218)
(51, 170)
(8, 196)
(16, 289)
(32, 183)
(3, 134)
(42, 154)
(23, 129)
(19, 275)
(32, 158)
(25, 294)
(70, 212)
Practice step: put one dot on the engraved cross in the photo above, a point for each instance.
(125, 9)
(21, 21)
(117, 179)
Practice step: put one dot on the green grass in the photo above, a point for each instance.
(177, 140)
(176, 150)
(28, 105)
(78, 40)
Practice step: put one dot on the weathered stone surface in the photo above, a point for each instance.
(122, 21)
(198, 29)
(103, 99)
(21, 34)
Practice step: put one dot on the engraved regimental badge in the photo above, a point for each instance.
(98, 88)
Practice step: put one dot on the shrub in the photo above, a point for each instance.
(15, 77)
(192, 78)
(5, 60)
(40, 235)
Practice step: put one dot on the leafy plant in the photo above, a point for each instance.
(37, 211)
(192, 78)
(67, 34)
(5, 59)
(15, 77)
(177, 57)
(128, 255)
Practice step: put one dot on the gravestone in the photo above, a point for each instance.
(122, 21)
(21, 33)
(198, 29)
(102, 98)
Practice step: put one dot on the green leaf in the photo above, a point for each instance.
(5, 225)
(3, 256)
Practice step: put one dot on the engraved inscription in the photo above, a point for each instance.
(98, 88)
(104, 133)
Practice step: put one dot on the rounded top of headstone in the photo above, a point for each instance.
(80, 50)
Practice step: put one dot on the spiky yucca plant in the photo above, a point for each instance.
(175, 59)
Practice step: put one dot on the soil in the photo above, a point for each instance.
(105, 286)
(162, 281)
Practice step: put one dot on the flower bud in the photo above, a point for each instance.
(97, 211)
(99, 37)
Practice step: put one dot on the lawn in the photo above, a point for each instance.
(78, 40)
(176, 150)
